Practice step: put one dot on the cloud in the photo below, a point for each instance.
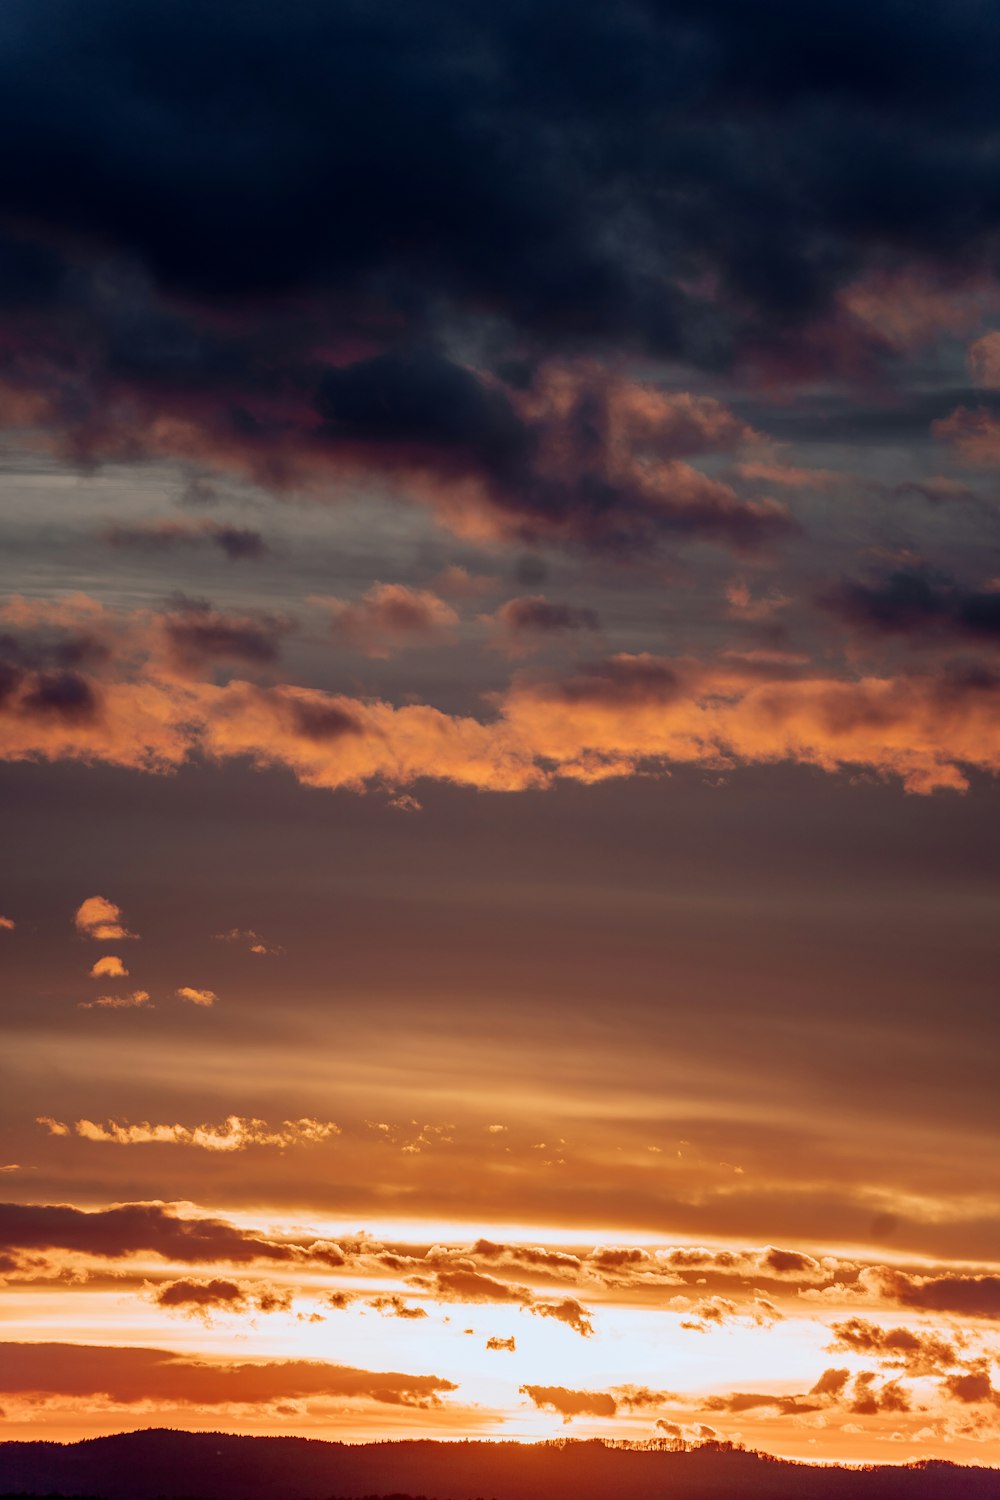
(202, 1298)
(250, 939)
(456, 582)
(131, 1228)
(916, 1352)
(196, 637)
(965, 1296)
(197, 997)
(395, 1307)
(520, 623)
(569, 1404)
(919, 603)
(137, 1000)
(126, 1376)
(617, 716)
(102, 920)
(718, 1311)
(567, 1311)
(499, 1345)
(7, 924)
(641, 1398)
(742, 1401)
(974, 435)
(463, 1283)
(971, 1387)
(390, 617)
(238, 543)
(108, 967)
(233, 1134)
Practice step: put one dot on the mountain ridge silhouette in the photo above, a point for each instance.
(167, 1462)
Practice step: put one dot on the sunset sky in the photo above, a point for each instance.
(499, 721)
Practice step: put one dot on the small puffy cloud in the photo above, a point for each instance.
(867, 1399)
(916, 1352)
(390, 617)
(569, 1403)
(717, 1311)
(396, 1307)
(498, 1344)
(196, 637)
(195, 996)
(249, 939)
(109, 967)
(522, 624)
(137, 1000)
(462, 1283)
(102, 920)
(7, 925)
(688, 1435)
(202, 1298)
(831, 1383)
(568, 1311)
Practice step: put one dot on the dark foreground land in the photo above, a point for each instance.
(213, 1466)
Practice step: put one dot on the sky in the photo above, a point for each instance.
(499, 722)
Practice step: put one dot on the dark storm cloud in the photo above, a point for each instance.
(417, 215)
(919, 603)
(557, 165)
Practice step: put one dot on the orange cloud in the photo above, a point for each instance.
(570, 1404)
(129, 1228)
(101, 919)
(196, 997)
(109, 967)
(233, 1134)
(202, 1298)
(618, 716)
(137, 1000)
(128, 1375)
(7, 925)
(390, 617)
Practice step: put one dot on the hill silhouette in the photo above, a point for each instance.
(215, 1466)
